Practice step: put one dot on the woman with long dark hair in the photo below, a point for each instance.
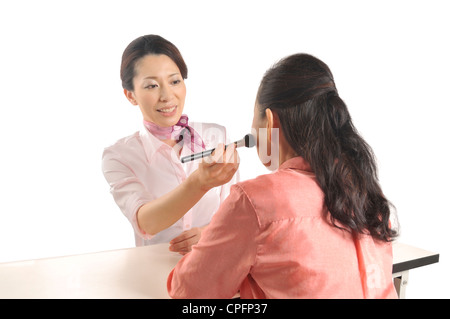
(317, 227)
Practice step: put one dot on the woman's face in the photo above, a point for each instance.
(159, 90)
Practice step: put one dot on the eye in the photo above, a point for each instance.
(175, 82)
(151, 86)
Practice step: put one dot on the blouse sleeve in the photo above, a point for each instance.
(127, 190)
(222, 259)
(225, 189)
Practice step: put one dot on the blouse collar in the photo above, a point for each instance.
(296, 163)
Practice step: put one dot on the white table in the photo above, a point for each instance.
(139, 272)
(407, 257)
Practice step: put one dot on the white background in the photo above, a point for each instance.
(61, 103)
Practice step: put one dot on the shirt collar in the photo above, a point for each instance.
(296, 163)
(151, 143)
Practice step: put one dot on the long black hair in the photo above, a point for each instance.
(316, 123)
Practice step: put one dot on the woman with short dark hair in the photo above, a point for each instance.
(164, 200)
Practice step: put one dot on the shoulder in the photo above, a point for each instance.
(283, 194)
(257, 190)
(283, 181)
(258, 187)
(247, 198)
(128, 145)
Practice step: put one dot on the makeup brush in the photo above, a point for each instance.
(247, 141)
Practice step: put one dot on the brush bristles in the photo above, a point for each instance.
(249, 140)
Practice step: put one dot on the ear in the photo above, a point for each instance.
(130, 96)
(269, 124)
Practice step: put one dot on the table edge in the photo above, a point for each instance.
(415, 263)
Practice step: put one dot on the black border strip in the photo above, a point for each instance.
(415, 263)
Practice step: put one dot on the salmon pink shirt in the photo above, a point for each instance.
(270, 239)
(140, 168)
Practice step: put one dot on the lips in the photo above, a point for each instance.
(168, 109)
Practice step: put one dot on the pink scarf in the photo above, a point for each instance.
(176, 132)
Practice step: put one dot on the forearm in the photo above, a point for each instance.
(164, 211)
(233, 233)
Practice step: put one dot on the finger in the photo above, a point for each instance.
(180, 247)
(236, 158)
(177, 246)
(217, 155)
(208, 160)
(233, 163)
(230, 154)
(184, 246)
(212, 158)
(183, 236)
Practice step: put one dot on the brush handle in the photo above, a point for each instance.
(195, 156)
(247, 141)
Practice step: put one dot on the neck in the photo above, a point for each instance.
(281, 148)
(286, 152)
(172, 135)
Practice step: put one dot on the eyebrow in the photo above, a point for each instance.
(155, 77)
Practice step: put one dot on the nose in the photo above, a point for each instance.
(166, 93)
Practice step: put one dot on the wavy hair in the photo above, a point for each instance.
(316, 123)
